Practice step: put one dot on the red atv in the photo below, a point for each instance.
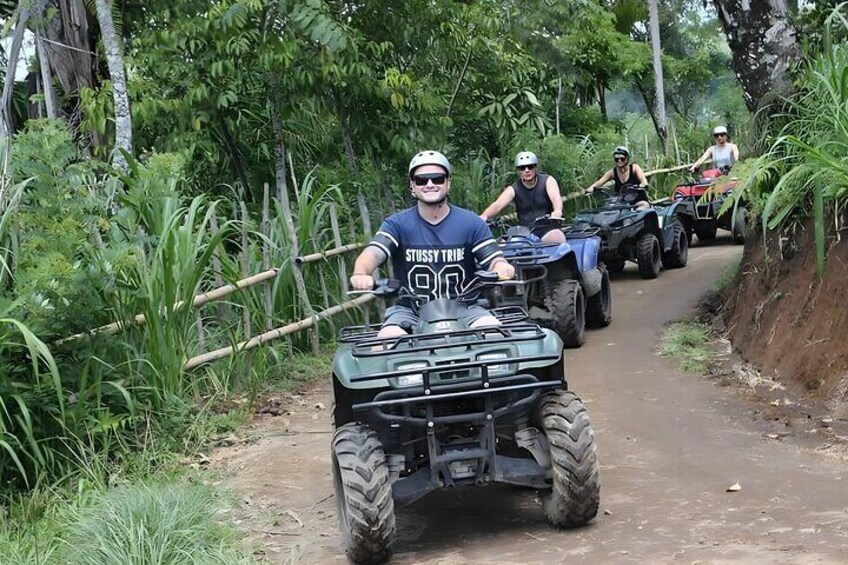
(707, 195)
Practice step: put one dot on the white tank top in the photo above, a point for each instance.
(723, 156)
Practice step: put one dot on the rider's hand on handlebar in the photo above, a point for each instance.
(362, 282)
(504, 270)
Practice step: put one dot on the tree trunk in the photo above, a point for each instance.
(764, 46)
(67, 44)
(115, 60)
(25, 10)
(46, 79)
(656, 49)
(650, 104)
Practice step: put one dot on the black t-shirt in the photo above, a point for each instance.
(436, 260)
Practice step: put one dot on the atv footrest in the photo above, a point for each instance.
(509, 314)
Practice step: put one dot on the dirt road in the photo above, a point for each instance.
(670, 446)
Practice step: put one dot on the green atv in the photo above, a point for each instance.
(449, 405)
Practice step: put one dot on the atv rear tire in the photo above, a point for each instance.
(363, 493)
(567, 304)
(599, 306)
(614, 266)
(678, 255)
(706, 231)
(648, 256)
(740, 225)
(575, 493)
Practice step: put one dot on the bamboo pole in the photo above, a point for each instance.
(337, 238)
(298, 275)
(221, 309)
(366, 227)
(671, 169)
(275, 333)
(266, 255)
(312, 257)
(199, 300)
(245, 262)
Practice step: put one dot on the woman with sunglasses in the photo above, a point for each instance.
(535, 195)
(624, 173)
(723, 154)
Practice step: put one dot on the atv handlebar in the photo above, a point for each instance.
(394, 287)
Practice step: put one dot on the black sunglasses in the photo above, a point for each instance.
(525, 167)
(619, 159)
(719, 134)
(436, 178)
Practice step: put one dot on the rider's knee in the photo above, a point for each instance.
(554, 236)
(391, 331)
(485, 321)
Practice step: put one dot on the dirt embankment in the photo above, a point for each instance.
(783, 317)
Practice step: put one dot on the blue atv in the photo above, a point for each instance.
(567, 288)
(653, 238)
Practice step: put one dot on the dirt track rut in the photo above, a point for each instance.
(670, 446)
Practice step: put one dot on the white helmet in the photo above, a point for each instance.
(526, 158)
(720, 129)
(430, 158)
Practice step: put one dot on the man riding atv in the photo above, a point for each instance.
(624, 174)
(435, 247)
(447, 394)
(535, 195)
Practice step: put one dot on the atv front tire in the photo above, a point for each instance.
(648, 256)
(599, 306)
(678, 255)
(575, 493)
(740, 225)
(363, 494)
(567, 304)
(706, 231)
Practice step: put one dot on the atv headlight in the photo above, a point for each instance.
(414, 379)
(494, 357)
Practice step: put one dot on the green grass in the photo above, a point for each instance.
(164, 523)
(685, 341)
(726, 277)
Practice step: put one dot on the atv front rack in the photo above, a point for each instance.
(354, 334)
(368, 346)
(396, 405)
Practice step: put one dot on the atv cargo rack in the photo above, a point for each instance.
(432, 342)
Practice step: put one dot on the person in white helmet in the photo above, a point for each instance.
(624, 173)
(435, 248)
(723, 154)
(535, 195)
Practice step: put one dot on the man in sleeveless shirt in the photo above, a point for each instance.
(535, 195)
(435, 248)
(623, 173)
(723, 154)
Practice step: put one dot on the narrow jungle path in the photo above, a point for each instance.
(670, 445)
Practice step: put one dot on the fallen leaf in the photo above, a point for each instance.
(319, 405)
(735, 487)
